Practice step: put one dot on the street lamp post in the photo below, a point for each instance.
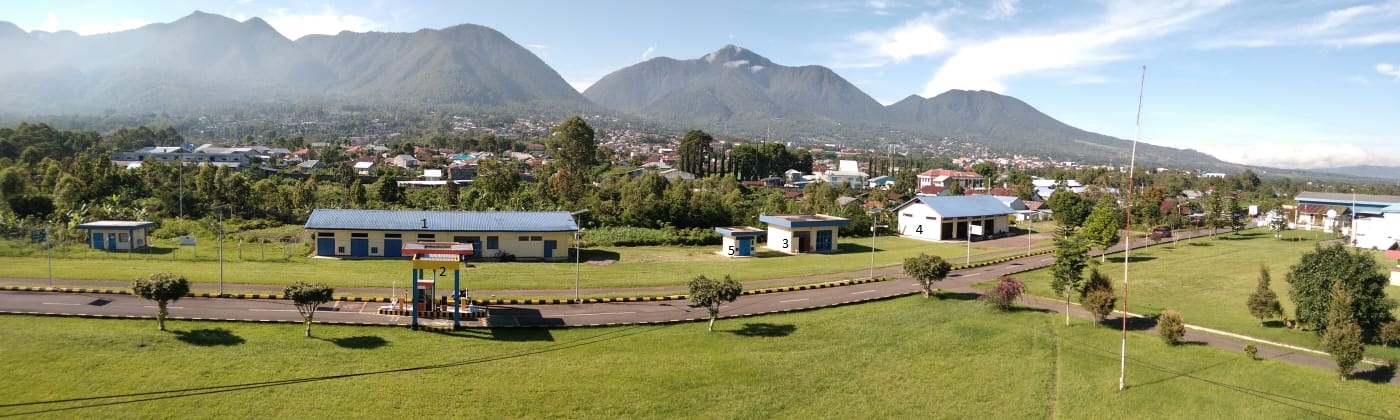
(873, 218)
(220, 241)
(578, 252)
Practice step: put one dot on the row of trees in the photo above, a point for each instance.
(166, 287)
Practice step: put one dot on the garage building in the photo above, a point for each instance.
(946, 218)
(382, 233)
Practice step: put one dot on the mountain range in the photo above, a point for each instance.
(207, 62)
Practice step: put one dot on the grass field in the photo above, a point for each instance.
(1208, 281)
(903, 358)
(606, 268)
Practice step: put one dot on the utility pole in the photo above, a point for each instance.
(1128, 237)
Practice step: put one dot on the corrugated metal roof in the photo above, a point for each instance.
(1347, 198)
(442, 221)
(964, 205)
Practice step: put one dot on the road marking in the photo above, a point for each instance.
(864, 291)
(791, 300)
(273, 310)
(600, 313)
(1046, 259)
(167, 307)
(66, 304)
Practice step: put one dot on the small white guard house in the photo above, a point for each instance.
(738, 240)
(801, 233)
(946, 218)
(382, 233)
(117, 234)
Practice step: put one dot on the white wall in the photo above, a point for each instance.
(508, 242)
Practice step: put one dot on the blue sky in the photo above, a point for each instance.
(1278, 83)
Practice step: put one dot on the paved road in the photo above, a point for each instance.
(960, 281)
(540, 315)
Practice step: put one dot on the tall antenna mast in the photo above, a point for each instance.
(1128, 235)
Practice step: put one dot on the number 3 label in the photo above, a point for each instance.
(785, 243)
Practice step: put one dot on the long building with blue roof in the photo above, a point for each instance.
(493, 234)
(952, 218)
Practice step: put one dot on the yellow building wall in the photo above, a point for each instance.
(509, 242)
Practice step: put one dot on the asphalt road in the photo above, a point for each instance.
(526, 315)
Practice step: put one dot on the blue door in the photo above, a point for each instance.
(824, 240)
(549, 248)
(97, 241)
(111, 241)
(745, 247)
(359, 247)
(325, 247)
(393, 247)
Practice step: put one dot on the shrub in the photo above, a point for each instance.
(1171, 327)
(635, 236)
(1006, 292)
(1390, 333)
(1251, 351)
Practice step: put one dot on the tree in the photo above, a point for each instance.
(1263, 303)
(163, 288)
(1171, 327)
(1098, 297)
(307, 297)
(1101, 227)
(1390, 334)
(1234, 213)
(711, 294)
(387, 190)
(1068, 209)
(572, 146)
(956, 189)
(1007, 290)
(1343, 335)
(1214, 211)
(1311, 281)
(1068, 269)
(358, 197)
(1278, 225)
(927, 269)
(988, 171)
(695, 152)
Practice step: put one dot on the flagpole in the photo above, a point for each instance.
(1128, 237)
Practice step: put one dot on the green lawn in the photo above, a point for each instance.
(1208, 281)
(609, 268)
(903, 358)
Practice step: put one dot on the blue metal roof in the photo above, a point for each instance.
(442, 221)
(963, 205)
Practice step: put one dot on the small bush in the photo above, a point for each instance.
(1171, 327)
(1251, 351)
(503, 256)
(1390, 333)
(1006, 292)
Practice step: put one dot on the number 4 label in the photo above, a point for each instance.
(920, 229)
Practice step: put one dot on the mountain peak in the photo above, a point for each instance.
(734, 56)
(8, 29)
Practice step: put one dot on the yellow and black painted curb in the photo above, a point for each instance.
(177, 318)
(443, 299)
(431, 314)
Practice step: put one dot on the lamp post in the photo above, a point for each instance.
(578, 252)
(873, 218)
(220, 214)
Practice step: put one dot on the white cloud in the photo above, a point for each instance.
(50, 23)
(582, 85)
(986, 65)
(1002, 9)
(1389, 70)
(1295, 156)
(915, 38)
(736, 63)
(328, 22)
(1355, 26)
(647, 54)
(125, 24)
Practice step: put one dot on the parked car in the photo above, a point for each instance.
(1162, 232)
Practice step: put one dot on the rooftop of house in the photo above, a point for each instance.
(442, 221)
